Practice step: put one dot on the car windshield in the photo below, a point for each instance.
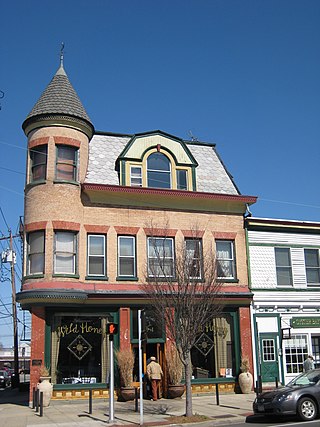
(308, 378)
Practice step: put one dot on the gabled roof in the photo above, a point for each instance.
(58, 99)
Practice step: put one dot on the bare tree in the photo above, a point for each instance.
(183, 291)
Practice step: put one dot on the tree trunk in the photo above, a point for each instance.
(188, 373)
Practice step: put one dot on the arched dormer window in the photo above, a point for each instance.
(158, 171)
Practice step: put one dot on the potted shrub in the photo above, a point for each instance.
(45, 385)
(245, 378)
(174, 372)
(125, 360)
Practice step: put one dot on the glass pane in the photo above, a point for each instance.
(182, 180)
(312, 257)
(66, 154)
(159, 162)
(64, 264)
(64, 242)
(225, 269)
(283, 257)
(224, 249)
(159, 179)
(284, 276)
(36, 242)
(96, 245)
(96, 266)
(126, 246)
(36, 265)
(313, 275)
(65, 171)
(126, 267)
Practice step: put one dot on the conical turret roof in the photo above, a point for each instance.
(59, 99)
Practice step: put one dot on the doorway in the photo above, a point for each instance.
(269, 357)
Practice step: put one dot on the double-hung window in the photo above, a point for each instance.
(66, 163)
(225, 257)
(312, 263)
(65, 252)
(160, 257)
(38, 166)
(35, 253)
(182, 183)
(126, 256)
(194, 258)
(96, 255)
(136, 176)
(283, 266)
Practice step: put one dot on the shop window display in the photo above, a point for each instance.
(79, 350)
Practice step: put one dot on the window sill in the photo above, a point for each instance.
(227, 280)
(62, 181)
(100, 278)
(34, 276)
(161, 279)
(127, 279)
(74, 276)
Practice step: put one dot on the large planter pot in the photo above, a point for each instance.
(175, 390)
(46, 388)
(246, 382)
(127, 393)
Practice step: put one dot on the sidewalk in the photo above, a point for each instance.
(14, 411)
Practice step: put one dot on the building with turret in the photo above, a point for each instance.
(90, 198)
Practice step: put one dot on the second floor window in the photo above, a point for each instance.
(311, 257)
(158, 171)
(126, 256)
(35, 253)
(38, 158)
(136, 176)
(65, 251)
(96, 255)
(283, 266)
(160, 257)
(194, 258)
(66, 165)
(226, 263)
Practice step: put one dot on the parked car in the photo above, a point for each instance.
(5, 380)
(301, 397)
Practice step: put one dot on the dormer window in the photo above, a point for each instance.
(158, 171)
(136, 176)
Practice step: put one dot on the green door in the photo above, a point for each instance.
(269, 357)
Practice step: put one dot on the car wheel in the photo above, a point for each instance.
(307, 409)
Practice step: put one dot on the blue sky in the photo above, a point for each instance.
(244, 74)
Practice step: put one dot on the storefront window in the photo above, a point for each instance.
(296, 351)
(213, 353)
(153, 327)
(79, 350)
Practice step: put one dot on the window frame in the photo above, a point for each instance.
(32, 153)
(281, 268)
(171, 259)
(133, 257)
(103, 256)
(179, 187)
(312, 268)
(73, 163)
(35, 253)
(72, 254)
(198, 260)
(231, 260)
(132, 176)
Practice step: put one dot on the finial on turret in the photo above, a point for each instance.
(61, 54)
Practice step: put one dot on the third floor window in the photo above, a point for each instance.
(311, 257)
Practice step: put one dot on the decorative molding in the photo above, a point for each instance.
(66, 225)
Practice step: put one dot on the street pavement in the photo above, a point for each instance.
(15, 412)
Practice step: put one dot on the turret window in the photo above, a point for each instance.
(66, 164)
(35, 253)
(65, 251)
(38, 158)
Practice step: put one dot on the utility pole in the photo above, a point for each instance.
(10, 257)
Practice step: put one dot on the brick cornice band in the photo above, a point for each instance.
(34, 226)
(65, 225)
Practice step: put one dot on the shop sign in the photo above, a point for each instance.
(305, 322)
(77, 328)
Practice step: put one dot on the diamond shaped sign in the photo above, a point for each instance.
(79, 347)
(204, 344)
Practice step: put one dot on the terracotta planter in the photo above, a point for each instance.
(127, 393)
(175, 390)
(246, 382)
(46, 388)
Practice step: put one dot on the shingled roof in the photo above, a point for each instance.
(58, 99)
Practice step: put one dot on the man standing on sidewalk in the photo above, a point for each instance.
(154, 373)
